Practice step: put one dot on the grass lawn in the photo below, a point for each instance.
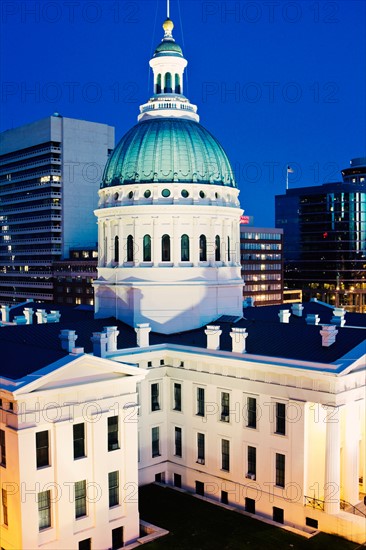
(195, 524)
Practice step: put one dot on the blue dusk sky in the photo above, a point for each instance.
(276, 82)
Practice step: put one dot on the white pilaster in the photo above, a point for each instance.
(332, 478)
(350, 453)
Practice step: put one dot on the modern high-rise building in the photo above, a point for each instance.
(325, 238)
(50, 171)
(261, 253)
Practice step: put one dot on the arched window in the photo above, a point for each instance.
(177, 84)
(147, 248)
(165, 248)
(184, 248)
(116, 249)
(217, 248)
(203, 249)
(158, 84)
(130, 248)
(228, 249)
(168, 83)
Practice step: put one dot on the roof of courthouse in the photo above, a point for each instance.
(25, 349)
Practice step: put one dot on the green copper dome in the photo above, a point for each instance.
(168, 47)
(167, 150)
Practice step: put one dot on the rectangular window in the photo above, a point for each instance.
(200, 402)
(252, 412)
(200, 448)
(177, 397)
(80, 498)
(117, 538)
(42, 449)
(44, 510)
(85, 544)
(178, 441)
(4, 502)
(252, 462)
(225, 406)
(155, 397)
(280, 418)
(113, 442)
(250, 505)
(113, 487)
(280, 470)
(177, 480)
(79, 440)
(2, 448)
(278, 514)
(224, 497)
(225, 455)
(155, 442)
(200, 488)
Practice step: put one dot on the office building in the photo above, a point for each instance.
(50, 171)
(325, 238)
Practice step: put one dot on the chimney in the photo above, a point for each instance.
(213, 333)
(112, 334)
(312, 319)
(238, 337)
(68, 339)
(5, 311)
(328, 333)
(77, 351)
(54, 316)
(142, 334)
(284, 315)
(297, 309)
(99, 340)
(338, 317)
(41, 316)
(28, 314)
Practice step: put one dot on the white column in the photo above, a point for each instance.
(156, 242)
(194, 243)
(350, 453)
(175, 242)
(121, 250)
(108, 252)
(332, 478)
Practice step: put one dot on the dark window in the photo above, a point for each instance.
(130, 248)
(225, 407)
(178, 441)
(155, 442)
(113, 487)
(113, 442)
(177, 480)
(224, 497)
(80, 498)
(252, 412)
(147, 248)
(2, 448)
(250, 505)
(200, 402)
(177, 397)
(203, 249)
(117, 538)
(278, 514)
(252, 461)
(168, 83)
(44, 510)
(42, 449)
(165, 248)
(280, 470)
(177, 84)
(155, 406)
(4, 501)
(310, 522)
(79, 440)
(184, 248)
(228, 249)
(85, 544)
(280, 418)
(200, 488)
(158, 84)
(225, 455)
(201, 448)
(217, 248)
(116, 249)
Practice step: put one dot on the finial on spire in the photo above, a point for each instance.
(168, 27)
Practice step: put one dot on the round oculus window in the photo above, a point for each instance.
(165, 193)
(202, 195)
(147, 194)
(185, 193)
(130, 194)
